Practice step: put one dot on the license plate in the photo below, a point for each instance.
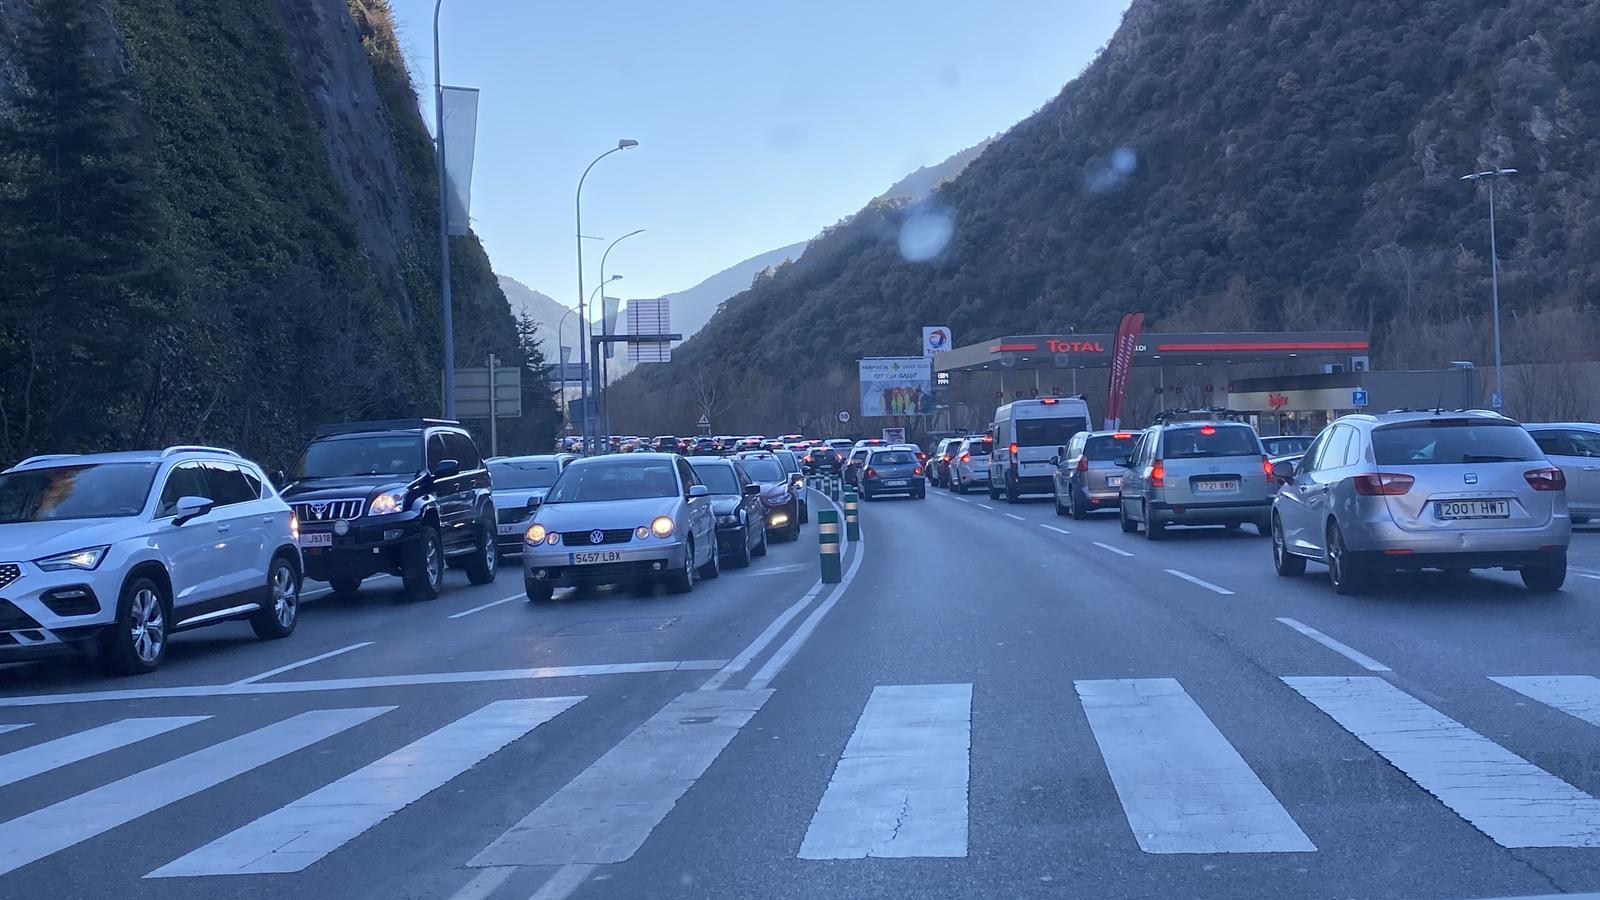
(895, 482)
(594, 556)
(316, 539)
(1216, 487)
(510, 529)
(1113, 481)
(1472, 509)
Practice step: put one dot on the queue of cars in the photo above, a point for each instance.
(1371, 493)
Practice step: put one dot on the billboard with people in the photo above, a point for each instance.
(896, 386)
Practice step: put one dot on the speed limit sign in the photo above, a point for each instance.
(844, 416)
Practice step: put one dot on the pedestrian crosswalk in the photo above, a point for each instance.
(901, 784)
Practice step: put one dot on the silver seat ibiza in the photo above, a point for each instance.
(1422, 490)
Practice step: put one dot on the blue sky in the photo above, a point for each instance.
(759, 123)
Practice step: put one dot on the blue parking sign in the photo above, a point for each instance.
(1358, 398)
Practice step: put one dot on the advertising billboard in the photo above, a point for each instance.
(896, 385)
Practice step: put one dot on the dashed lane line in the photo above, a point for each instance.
(1055, 529)
(490, 605)
(1015, 516)
(1201, 582)
(1344, 650)
(985, 506)
(1117, 550)
(295, 665)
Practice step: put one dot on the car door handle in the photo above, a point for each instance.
(224, 527)
(269, 519)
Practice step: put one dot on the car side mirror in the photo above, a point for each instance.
(751, 490)
(797, 479)
(533, 503)
(191, 508)
(698, 490)
(446, 468)
(1055, 460)
(1125, 462)
(1284, 470)
(1061, 451)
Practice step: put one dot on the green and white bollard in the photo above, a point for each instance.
(828, 545)
(835, 488)
(852, 517)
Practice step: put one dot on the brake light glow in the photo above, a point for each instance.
(1122, 436)
(1266, 465)
(917, 471)
(1208, 429)
(871, 472)
(1382, 484)
(1158, 474)
(1549, 479)
(1013, 449)
(966, 457)
(1083, 463)
(1049, 401)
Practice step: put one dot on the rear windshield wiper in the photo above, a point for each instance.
(1489, 457)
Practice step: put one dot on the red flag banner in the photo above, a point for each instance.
(1122, 348)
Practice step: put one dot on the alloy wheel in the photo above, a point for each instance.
(285, 595)
(148, 625)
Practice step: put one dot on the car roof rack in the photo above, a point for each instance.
(196, 448)
(1200, 414)
(385, 425)
(44, 457)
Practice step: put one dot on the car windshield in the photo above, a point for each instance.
(1208, 441)
(1285, 445)
(1054, 432)
(786, 460)
(977, 448)
(764, 469)
(1452, 443)
(893, 458)
(719, 479)
(103, 490)
(367, 454)
(1108, 447)
(524, 474)
(615, 479)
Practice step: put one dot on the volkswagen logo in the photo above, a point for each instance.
(597, 536)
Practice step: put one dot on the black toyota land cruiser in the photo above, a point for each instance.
(400, 497)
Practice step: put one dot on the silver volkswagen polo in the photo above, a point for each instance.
(635, 519)
(1422, 490)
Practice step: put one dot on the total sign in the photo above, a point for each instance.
(935, 339)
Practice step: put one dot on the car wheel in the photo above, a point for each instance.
(483, 565)
(1078, 510)
(682, 581)
(1012, 494)
(994, 492)
(1129, 526)
(740, 557)
(1547, 578)
(1154, 529)
(345, 587)
(137, 640)
(865, 495)
(920, 495)
(538, 591)
(1264, 525)
(1344, 573)
(1287, 564)
(805, 514)
(713, 566)
(277, 618)
(761, 543)
(1055, 500)
(423, 572)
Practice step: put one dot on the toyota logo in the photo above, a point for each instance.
(597, 536)
(317, 509)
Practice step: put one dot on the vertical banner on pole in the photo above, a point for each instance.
(1122, 348)
(460, 139)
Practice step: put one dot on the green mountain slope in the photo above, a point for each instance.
(1225, 164)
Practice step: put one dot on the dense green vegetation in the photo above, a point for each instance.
(179, 259)
(1222, 164)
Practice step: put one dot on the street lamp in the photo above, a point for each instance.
(444, 228)
(605, 328)
(1489, 178)
(583, 349)
(561, 362)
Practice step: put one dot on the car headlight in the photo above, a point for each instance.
(553, 538)
(388, 502)
(642, 532)
(728, 520)
(662, 527)
(535, 533)
(86, 559)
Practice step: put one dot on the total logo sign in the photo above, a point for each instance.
(935, 339)
(1056, 346)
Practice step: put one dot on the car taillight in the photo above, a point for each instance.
(1083, 463)
(966, 457)
(1382, 484)
(1551, 479)
(872, 473)
(917, 471)
(1013, 452)
(1266, 465)
(1158, 474)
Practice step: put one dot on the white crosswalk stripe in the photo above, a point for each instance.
(295, 836)
(900, 789)
(1575, 695)
(16, 727)
(64, 751)
(1183, 786)
(1513, 801)
(74, 820)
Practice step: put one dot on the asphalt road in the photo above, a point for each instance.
(996, 703)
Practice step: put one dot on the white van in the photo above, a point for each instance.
(1027, 434)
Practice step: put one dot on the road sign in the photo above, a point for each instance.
(472, 392)
(649, 317)
(1497, 400)
(894, 435)
(1358, 398)
(705, 421)
(844, 416)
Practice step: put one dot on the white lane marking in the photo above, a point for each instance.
(1575, 695)
(1184, 788)
(1055, 529)
(781, 658)
(1015, 516)
(1513, 801)
(1117, 550)
(565, 880)
(54, 828)
(1201, 582)
(775, 570)
(605, 814)
(961, 499)
(490, 605)
(317, 592)
(1348, 652)
(1587, 575)
(64, 751)
(759, 645)
(304, 662)
(900, 789)
(293, 837)
(985, 506)
(346, 684)
(485, 883)
(6, 728)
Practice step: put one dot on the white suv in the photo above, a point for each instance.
(114, 552)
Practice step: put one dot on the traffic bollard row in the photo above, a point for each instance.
(828, 545)
(852, 517)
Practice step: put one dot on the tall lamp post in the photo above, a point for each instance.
(1489, 178)
(605, 328)
(561, 363)
(593, 433)
(444, 228)
(583, 344)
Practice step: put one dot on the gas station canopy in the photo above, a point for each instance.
(1093, 351)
